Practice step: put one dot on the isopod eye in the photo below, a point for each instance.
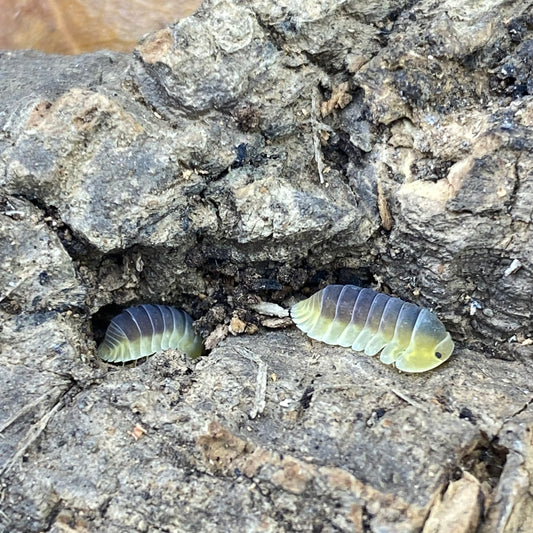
(438, 355)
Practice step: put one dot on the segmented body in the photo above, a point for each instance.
(147, 329)
(409, 336)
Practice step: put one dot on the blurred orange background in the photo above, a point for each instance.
(76, 26)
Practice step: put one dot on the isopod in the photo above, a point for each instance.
(409, 336)
(146, 329)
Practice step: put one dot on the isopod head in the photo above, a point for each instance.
(146, 329)
(430, 345)
(409, 336)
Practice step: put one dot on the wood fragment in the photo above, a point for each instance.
(318, 129)
(216, 336)
(340, 98)
(138, 431)
(261, 381)
(409, 400)
(236, 325)
(260, 390)
(387, 222)
(512, 268)
(270, 309)
(458, 509)
(277, 323)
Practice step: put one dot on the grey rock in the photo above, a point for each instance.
(36, 273)
(254, 152)
(342, 439)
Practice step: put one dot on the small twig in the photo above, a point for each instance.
(317, 127)
(261, 382)
(33, 434)
(6, 518)
(318, 156)
(383, 208)
(409, 400)
(26, 409)
(260, 390)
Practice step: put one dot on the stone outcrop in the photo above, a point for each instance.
(255, 152)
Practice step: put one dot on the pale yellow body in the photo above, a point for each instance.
(411, 337)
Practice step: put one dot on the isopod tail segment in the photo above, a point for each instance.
(409, 336)
(146, 329)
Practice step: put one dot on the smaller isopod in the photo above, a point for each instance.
(146, 329)
(409, 336)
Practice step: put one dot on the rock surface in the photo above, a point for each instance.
(257, 151)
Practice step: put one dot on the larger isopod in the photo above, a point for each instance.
(147, 329)
(409, 336)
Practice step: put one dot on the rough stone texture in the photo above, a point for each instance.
(36, 273)
(259, 150)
